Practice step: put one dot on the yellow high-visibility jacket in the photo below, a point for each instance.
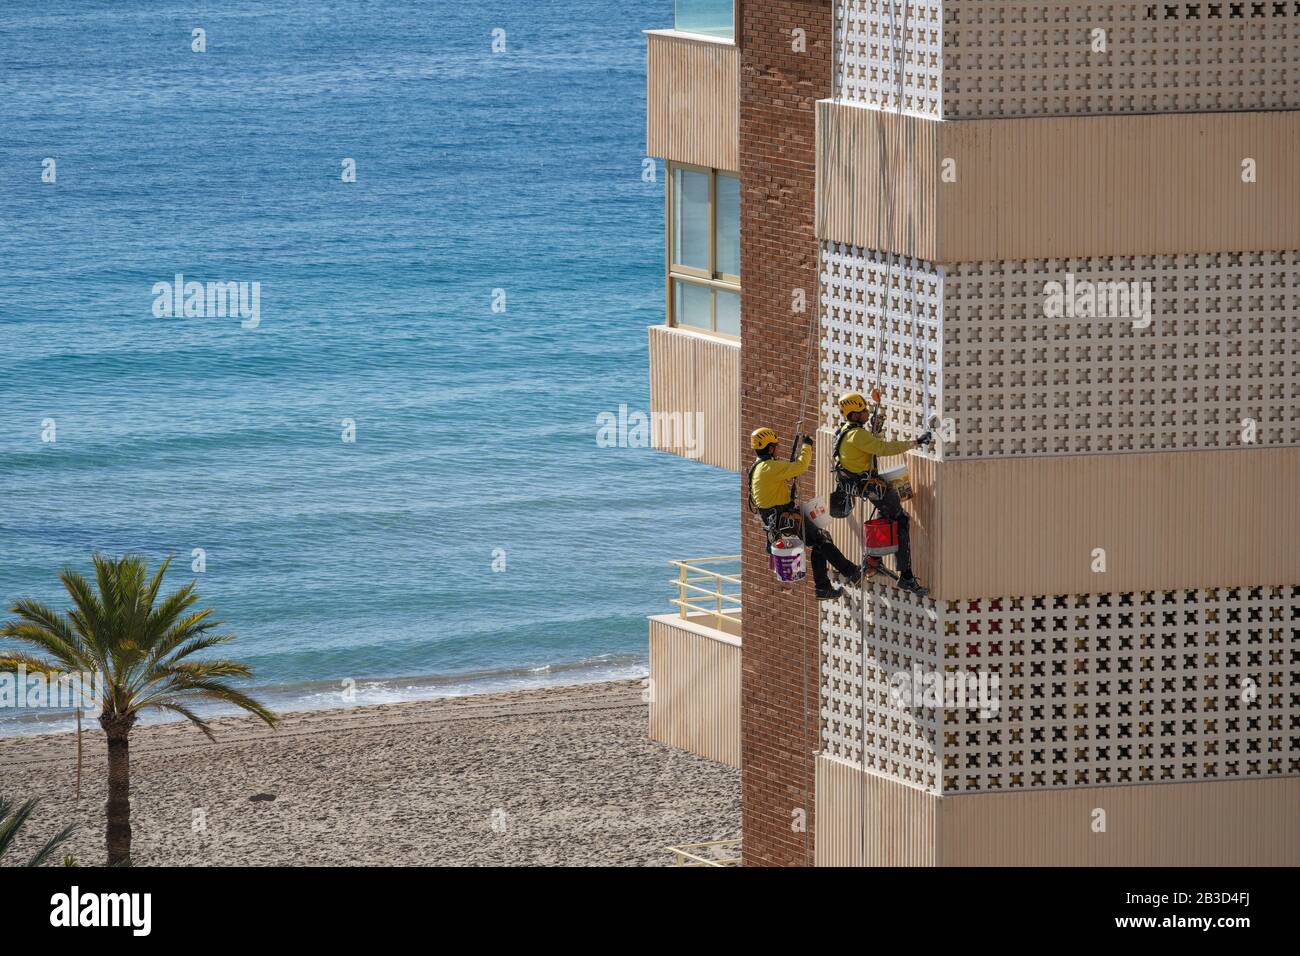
(860, 448)
(769, 480)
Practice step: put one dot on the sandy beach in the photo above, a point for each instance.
(556, 776)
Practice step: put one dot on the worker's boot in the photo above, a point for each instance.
(912, 586)
(828, 593)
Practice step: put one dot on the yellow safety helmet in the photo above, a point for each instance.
(852, 402)
(762, 438)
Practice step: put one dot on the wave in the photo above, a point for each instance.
(367, 692)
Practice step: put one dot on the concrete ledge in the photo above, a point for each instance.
(1058, 187)
(1223, 823)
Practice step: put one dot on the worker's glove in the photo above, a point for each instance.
(924, 439)
(807, 440)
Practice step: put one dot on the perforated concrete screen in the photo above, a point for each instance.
(1080, 356)
(1090, 690)
(862, 292)
(902, 633)
(961, 59)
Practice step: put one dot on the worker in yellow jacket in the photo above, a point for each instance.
(856, 449)
(769, 495)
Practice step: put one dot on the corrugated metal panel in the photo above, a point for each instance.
(695, 701)
(692, 100)
(1166, 520)
(853, 184)
(901, 820)
(1061, 186)
(696, 375)
(1226, 823)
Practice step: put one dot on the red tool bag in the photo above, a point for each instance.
(880, 537)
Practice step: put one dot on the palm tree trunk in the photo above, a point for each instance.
(118, 808)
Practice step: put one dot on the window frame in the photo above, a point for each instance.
(711, 278)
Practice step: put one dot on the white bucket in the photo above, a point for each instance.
(900, 479)
(787, 561)
(814, 512)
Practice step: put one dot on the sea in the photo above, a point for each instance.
(386, 477)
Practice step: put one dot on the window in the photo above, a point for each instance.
(710, 18)
(704, 249)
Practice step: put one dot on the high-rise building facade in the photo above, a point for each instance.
(1065, 238)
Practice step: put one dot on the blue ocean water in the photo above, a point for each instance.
(475, 429)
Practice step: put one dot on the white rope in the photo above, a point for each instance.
(886, 197)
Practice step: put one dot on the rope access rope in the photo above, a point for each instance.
(885, 197)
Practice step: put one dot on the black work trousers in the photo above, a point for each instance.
(824, 551)
(889, 506)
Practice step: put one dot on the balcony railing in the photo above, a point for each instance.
(708, 591)
(713, 853)
(695, 661)
(710, 18)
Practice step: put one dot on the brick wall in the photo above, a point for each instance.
(779, 681)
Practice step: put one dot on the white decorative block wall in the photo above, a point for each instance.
(1214, 364)
(890, 54)
(1093, 690)
(1154, 687)
(901, 632)
(863, 292)
(961, 59)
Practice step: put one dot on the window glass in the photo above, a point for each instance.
(728, 313)
(712, 18)
(691, 219)
(727, 244)
(693, 305)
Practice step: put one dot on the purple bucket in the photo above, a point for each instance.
(787, 561)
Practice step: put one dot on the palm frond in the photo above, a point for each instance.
(87, 613)
(12, 820)
(10, 662)
(178, 708)
(71, 656)
(192, 625)
(193, 647)
(151, 592)
(52, 845)
(168, 615)
(214, 690)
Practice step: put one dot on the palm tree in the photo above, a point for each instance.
(141, 647)
(12, 820)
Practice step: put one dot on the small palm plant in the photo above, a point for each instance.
(142, 648)
(11, 821)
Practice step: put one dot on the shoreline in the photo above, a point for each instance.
(558, 775)
(312, 696)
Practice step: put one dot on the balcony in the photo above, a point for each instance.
(695, 662)
(693, 99)
(695, 395)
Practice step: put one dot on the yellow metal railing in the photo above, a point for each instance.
(716, 853)
(709, 586)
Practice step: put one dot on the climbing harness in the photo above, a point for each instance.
(872, 484)
(783, 525)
